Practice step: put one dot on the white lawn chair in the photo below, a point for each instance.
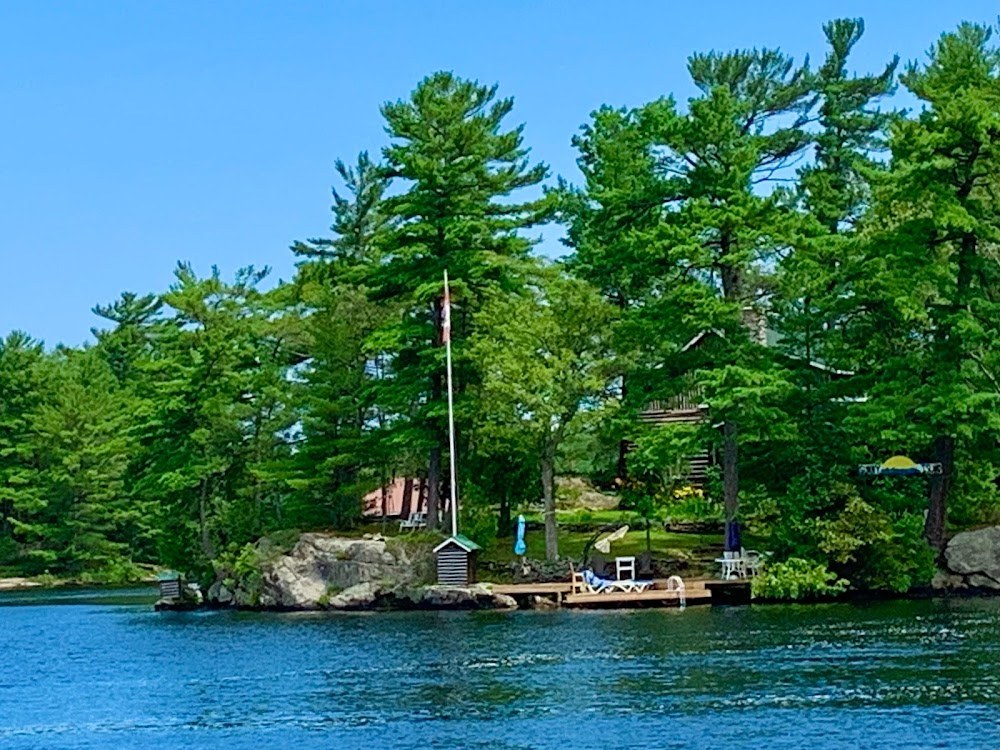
(752, 560)
(415, 521)
(628, 586)
(580, 584)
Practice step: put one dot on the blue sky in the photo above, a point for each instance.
(137, 134)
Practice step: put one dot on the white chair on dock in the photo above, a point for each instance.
(586, 582)
(732, 565)
(627, 583)
(751, 560)
(625, 568)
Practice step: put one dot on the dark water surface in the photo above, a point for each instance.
(83, 670)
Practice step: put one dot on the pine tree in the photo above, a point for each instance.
(23, 392)
(812, 301)
(927, 292)
(89, 528)
(459, 171)
(695, 226)
(337, 461)
(213, 416)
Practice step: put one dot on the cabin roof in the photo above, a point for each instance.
(462, 541)
(770, 341)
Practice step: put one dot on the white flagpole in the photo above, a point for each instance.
(451, 409)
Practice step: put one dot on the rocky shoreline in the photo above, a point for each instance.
(323, 572)
(328, 573)
(971, 562)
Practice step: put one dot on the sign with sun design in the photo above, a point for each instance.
(899, 466)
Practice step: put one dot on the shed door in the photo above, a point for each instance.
(453, 566)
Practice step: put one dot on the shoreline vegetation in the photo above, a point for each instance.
(766, 287)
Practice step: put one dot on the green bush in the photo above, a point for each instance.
(797, 578)
(901, 561)
(875, 539)
(114, 572)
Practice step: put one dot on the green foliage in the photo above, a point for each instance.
(546, 364)
(796, 579)
(812, 278)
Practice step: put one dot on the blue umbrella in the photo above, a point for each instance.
(733, 541)
(519, 546)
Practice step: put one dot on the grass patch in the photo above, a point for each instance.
(571, 544)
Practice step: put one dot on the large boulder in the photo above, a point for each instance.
(321, 568)
(324, 572)
(363, 596)
(973, 559)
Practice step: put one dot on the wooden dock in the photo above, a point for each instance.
(696, 591)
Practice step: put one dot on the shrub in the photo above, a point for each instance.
(901, 561)
(797, 578)
(114, 572)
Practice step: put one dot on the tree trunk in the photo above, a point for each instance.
(937, 511)
(549, 498)
(730, 471)
(406, 506)
(732, 290)
(440, 437)
(207, 548)
(504, 527)
(434, 488)
(622, 471)
(949, 347)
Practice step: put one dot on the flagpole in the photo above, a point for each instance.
(451, 409)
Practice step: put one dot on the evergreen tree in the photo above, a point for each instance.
(88, 528)
(22, 392)
(927, 287)
(460, 172)
(337, 460)
(213, 416)
(700, 232)
(812, 303)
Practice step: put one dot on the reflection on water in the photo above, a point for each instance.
(111, 673)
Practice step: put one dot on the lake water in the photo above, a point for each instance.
(83, 670)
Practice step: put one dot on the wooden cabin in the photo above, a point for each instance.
(400, 498)
(689, 407)
(685, 409)
(456, 561)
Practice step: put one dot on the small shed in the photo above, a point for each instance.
(456, 561)
(171, 583)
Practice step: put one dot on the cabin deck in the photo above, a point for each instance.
(696, 591)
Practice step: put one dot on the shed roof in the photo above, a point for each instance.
(462, 541)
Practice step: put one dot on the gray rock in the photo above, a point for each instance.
(944, 580)
(975, 553)
(363, 596)
(478, 596)
(219, 593)
(977, 581)
(323, 571)
(329, 572)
